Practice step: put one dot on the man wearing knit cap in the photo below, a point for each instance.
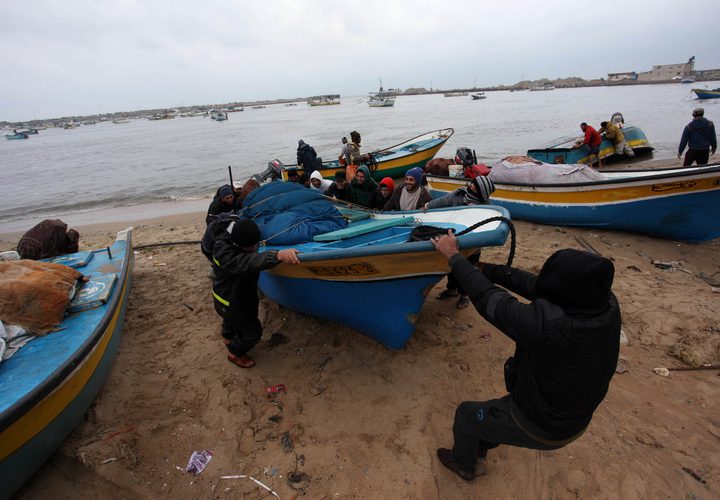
(237, 265)
(412, 195)
(224, 201)
(477, 192)
(699, 136)
(567, 341)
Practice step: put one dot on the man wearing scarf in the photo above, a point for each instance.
(567, 341)
(412, 196)
(362, 187)
(477, 192)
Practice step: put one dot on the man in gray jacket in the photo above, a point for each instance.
(699, 136)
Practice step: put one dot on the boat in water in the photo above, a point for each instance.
(707, 93)
(673, 203)
(544, 86)
(564, 152)
(47, 386)
(381, 99)
(392, 161)
(16, 135)
(456, 93)
(218, 115)
(478, 96)
(324, 100)
(366, 262)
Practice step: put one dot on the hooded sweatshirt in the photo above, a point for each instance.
(362, 194)
(698, 134)
(324, 183)
(567, 339)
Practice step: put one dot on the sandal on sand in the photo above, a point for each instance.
(447, 293)
(463, 302)
(241, 361)
(447, 458)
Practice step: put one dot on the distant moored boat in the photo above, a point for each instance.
(707, 94)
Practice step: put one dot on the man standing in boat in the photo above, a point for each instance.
(307, 158)
(592, 140)
(567, 341)
(699, 136)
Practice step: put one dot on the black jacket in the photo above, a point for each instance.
(564, 358)
(236, 277)
(341, 194)
(307, 157)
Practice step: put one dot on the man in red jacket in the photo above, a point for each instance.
(593, 140)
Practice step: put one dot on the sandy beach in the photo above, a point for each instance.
(360, 421)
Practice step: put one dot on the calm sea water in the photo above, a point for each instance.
(60, 172)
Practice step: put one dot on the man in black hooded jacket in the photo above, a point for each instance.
(567, 341)
(307, 158)
(237, 265)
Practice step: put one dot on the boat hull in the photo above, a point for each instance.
(33, 430)
(398, 160)
(14, 137)
(634, 137)
(677, 204)
(342, 280)
(707, 94)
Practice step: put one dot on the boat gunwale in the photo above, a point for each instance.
(21, 407)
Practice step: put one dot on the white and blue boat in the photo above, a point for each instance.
(49, 384)
(674, 203)
(366, 274)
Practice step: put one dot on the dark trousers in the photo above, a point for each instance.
(243, 335)
(452, 282)
(700, 156)
(480, 426)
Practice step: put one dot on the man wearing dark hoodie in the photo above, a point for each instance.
(362, 188)
(237, 265)
(567, 341)
(307, 157)
(699, 136)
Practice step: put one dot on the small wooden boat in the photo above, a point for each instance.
(49, 384)
(564, 152)
(15, 136)
(478, 96)
(392, 161)
(457, 93)
(120, 121)
(673, 203)
(544, 86)
(28, 131)
(707, 94)
(369, 275)
(324, 100)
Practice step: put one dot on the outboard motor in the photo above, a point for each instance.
(272, 172)
(465, 157)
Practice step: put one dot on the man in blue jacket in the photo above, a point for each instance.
(699, 136)
(567, 341)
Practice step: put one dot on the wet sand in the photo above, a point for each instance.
(364, 422)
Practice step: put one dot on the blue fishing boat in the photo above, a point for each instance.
(16, 135)
(707, 93)
(367, 264)
(49, 384)
(563, 152)
(673, 203)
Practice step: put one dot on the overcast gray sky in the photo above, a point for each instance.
(78, 57)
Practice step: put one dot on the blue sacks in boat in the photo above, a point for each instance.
(288, 213)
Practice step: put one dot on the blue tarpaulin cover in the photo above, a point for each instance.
(288, 213)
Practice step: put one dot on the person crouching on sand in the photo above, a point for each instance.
(567, 341)
(237, 265)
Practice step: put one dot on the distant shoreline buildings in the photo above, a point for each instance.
(667, 73)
